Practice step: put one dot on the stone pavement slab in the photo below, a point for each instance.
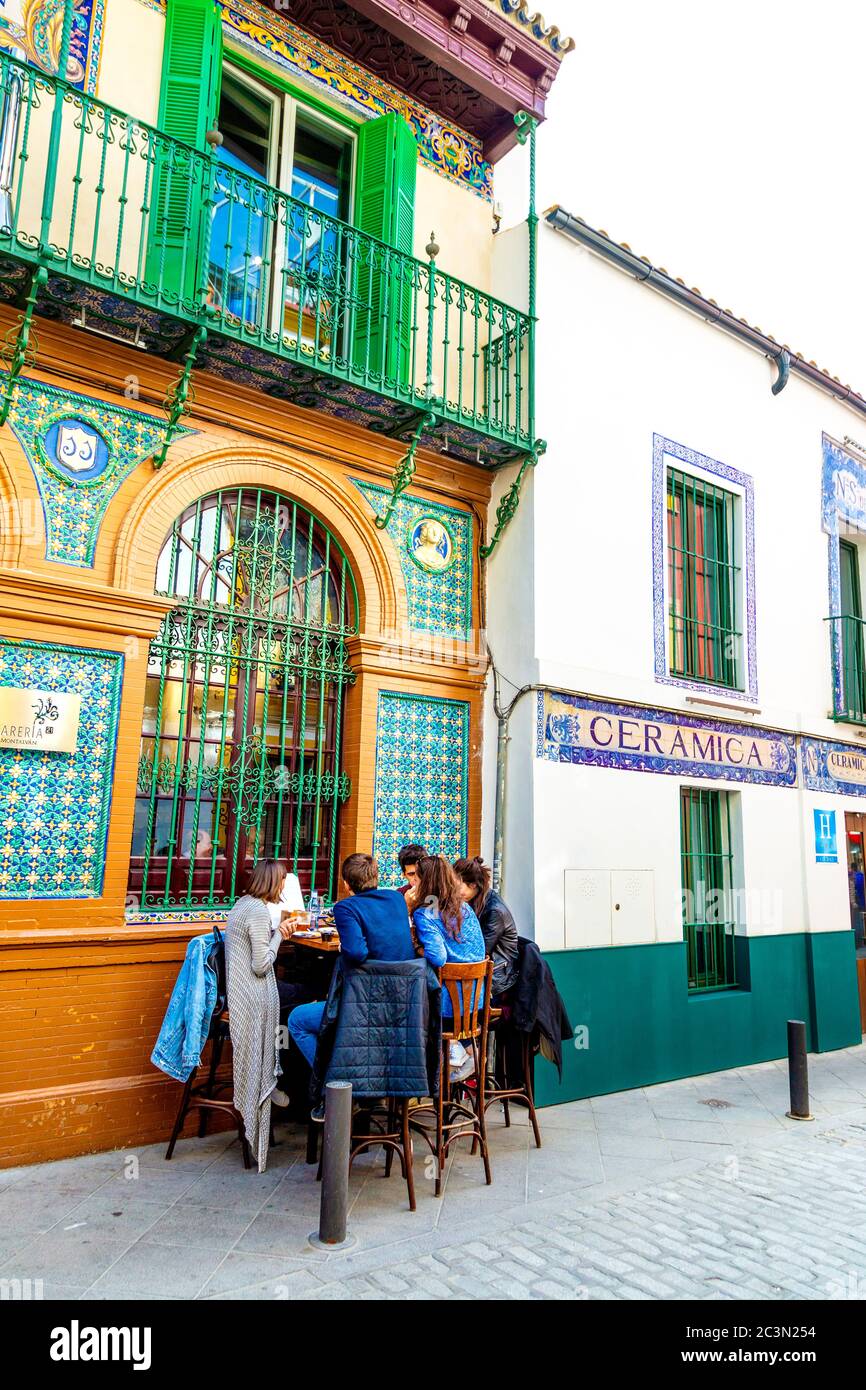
(696, 1189)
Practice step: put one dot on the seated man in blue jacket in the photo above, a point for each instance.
(373, 925)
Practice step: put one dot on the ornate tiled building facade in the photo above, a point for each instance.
(75, 505)
(438, 603)
(422, 754)
(54, 806)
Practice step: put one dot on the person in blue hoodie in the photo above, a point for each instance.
(372, 924)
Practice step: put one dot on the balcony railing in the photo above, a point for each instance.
(848, 654)
(107, 202)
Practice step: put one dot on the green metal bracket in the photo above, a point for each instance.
(177, 402)
(19, 348)
(511, 499)
(405, 470)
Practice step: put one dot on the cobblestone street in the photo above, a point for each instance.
(699, 1189)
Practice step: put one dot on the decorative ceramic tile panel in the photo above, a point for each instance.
(54, 807)
(422, 773)
(598, 733)
(443, 146)
(32, 27)
(80, 450)
(440, 596)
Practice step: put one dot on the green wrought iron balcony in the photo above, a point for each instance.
(108, 224)
(848, 659)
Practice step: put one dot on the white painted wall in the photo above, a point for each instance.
(571, 601)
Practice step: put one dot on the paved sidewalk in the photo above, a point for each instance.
(698, 1189)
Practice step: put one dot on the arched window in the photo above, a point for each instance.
(240, 748)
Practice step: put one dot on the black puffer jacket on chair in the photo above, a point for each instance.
(382, 1030)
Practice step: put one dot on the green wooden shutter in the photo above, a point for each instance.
(188, 104)
(385, 208)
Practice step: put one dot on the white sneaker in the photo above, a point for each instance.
(279, 1098)
(465, 1070)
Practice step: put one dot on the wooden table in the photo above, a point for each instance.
(317, 942)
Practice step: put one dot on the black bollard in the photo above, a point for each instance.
(336, 1141)
(798, 1071)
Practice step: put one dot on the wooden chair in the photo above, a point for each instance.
(462, 1116)
(205, 1096)
(385, 1125)
(502, 1086)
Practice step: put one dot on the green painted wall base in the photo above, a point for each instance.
(644, 1027)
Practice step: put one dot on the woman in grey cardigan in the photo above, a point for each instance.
(252, 943)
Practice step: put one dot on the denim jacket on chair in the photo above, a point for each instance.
(187, 1019)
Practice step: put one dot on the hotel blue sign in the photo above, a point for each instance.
(572, 729)
(826, 851)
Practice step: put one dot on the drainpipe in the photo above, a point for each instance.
(786, 362)
(503, 717)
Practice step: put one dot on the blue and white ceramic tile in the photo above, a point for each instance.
(54, 807)
(422, 778)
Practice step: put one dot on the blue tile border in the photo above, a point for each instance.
(765, 756)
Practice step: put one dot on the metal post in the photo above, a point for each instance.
(334, 1209)
(798, 1071)
(56, 126)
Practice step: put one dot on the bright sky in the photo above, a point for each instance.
(724, 142)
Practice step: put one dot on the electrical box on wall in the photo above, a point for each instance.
(606, 907)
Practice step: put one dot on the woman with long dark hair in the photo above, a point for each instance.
(446, 926)
(497, 924)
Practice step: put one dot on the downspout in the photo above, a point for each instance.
(503, 738)
(787, 363)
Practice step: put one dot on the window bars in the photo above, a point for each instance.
(707, 887)
(240, 750)
(703, 582)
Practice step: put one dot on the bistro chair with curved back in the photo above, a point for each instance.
(205, 1097)
(454, 1114)
(511, 1078)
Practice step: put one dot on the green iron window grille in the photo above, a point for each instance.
(848, 644)
(240, 750)
(707, 884)
(703, 579)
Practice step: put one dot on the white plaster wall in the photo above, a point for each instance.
(634, 365)
(617, 363)
(131, 63)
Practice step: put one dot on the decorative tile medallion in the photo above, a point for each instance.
(431, 544)
(440, 599)
(422, 777)
(446, 148)
(33, 27)
(80, 450)
(700, 464)
(54, 807)
(571, 729)
(833, 767)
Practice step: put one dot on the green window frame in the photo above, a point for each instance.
(850, 634)
(241, 736)
(707, 868)
(704, 635)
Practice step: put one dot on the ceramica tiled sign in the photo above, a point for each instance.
(573, 729)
